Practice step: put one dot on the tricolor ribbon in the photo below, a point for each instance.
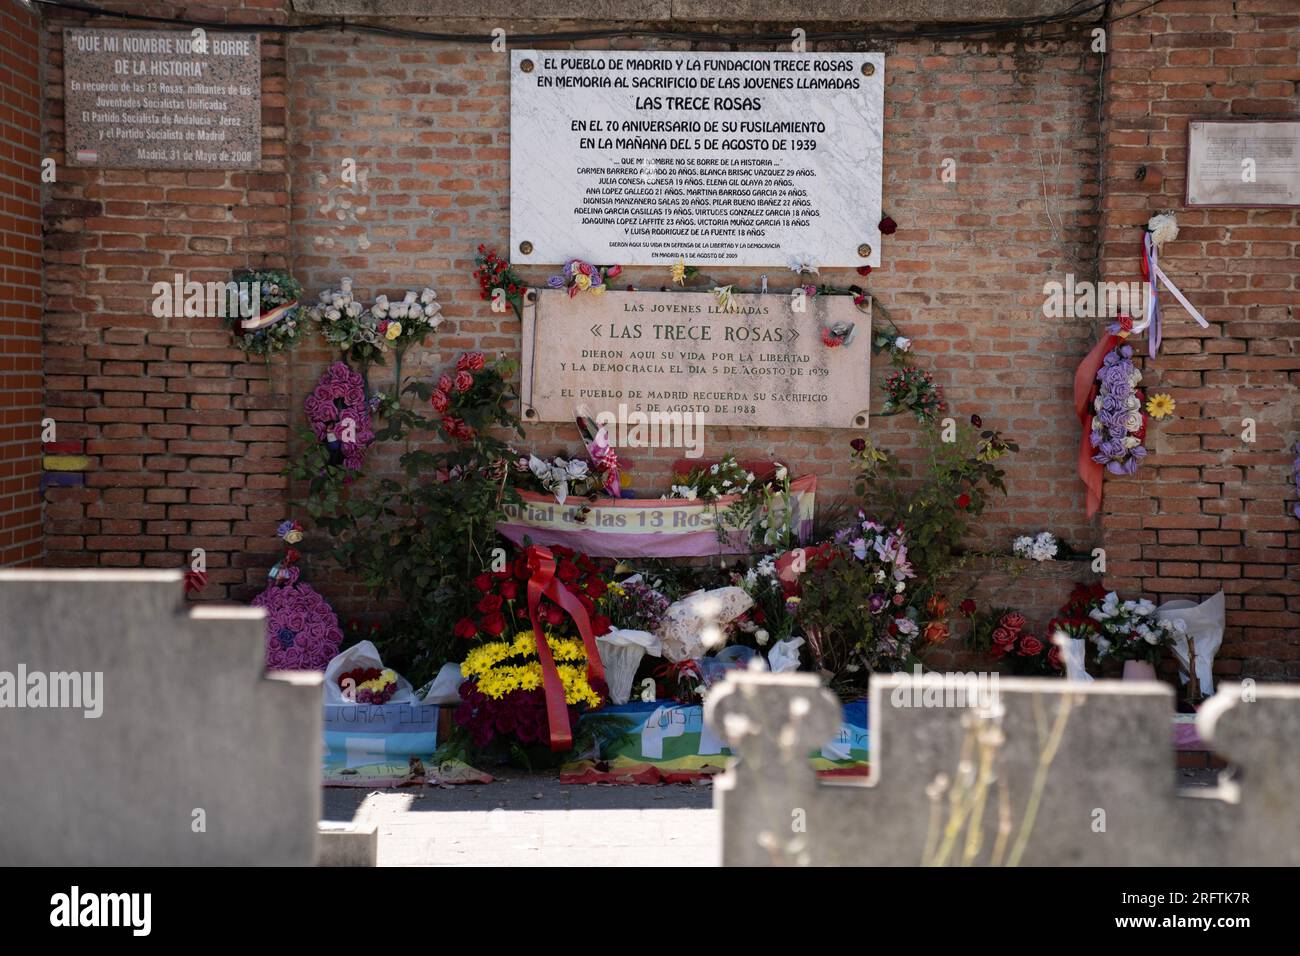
(542, 582)
(268, 318)
(1156, 277)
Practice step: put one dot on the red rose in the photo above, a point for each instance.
(568, 572)
(554, 616)
(968, 607)
(483, 582)
(613, 271)
(936, 632)
(474, 362)
(1054, 658)
(439, 401)
(595, 586)
(858, 444)
(489, 603)
(888, 227)
(1030, 646)
(977, 421)
(1013, 621)
(864, 270)
(465, 628)
(1003, 637)
(493, 624)
(462, 362)
(509, 590)
(963, 500)
(464, 381)
(444, 383)
(521, 568)
(599, 625)
(586, 601)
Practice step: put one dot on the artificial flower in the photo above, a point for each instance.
(1160, 406)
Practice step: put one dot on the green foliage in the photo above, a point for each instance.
(419, 539)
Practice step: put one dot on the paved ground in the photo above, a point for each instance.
(533, 820)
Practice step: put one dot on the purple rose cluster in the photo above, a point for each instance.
(302, 630)
(1117, 423)
(339, 396)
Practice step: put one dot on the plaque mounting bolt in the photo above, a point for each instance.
(868, 69)
(526, 65)
(864, 251)
(526, 247)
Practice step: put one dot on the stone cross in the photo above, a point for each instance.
(1021, 771)
(196, 756)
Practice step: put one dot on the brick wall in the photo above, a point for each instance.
(186, 437)
(428, 127)
(20, 288)
(1209, 510)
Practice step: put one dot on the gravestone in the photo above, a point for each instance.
(197, 756)
(1041, 772)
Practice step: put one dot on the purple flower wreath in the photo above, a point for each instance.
(340, 396)
(1118, 424)
(302, 630)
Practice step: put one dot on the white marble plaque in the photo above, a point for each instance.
(744, 159)
(678, 353)
(1243, 163)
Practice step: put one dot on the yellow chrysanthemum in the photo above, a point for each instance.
(495, 678)
(1161, 406)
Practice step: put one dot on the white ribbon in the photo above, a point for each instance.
(1155, 278)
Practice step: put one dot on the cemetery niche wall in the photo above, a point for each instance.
(431, 241)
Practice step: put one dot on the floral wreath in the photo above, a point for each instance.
(339, 398)
(274, 295)
(1118, 426)
(302, 630)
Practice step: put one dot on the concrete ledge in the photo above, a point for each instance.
(345, 844)
(603, 12)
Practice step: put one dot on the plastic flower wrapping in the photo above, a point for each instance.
(339, 415)
(302, 630)
(1118, 423)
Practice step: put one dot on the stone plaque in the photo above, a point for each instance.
(1243, 163)
(162, 99)
(745, 159)
(679, 353)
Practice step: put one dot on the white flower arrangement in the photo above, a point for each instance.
(1039, 547)
(1130, 630)
(345, 322)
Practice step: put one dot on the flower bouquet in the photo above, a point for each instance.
(1026, 654)
(912, 388)
(473, 398)
(1040, 547)
(1131, 631)
(348, 325)
(1118, 425)
(339, 416)
(368, 685)
(267, 321)
(496, 278)
(578, 276)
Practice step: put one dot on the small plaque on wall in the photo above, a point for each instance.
(1243, 163)
(162, 99)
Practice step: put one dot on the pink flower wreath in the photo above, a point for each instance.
(340, 395)
(302, 630)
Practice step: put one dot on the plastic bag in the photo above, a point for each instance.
(621, 651)
(361, 654)
(1205, 627)
(695, 623)
(445, 688)
(784, 655)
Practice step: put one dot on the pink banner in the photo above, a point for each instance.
(638, 527)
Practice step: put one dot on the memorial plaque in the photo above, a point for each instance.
(679, 353)
(162, 99)
(746, 159)
(1243, 163)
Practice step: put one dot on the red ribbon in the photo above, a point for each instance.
(1085, 391)
(542, 582)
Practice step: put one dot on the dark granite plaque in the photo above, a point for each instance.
(163, 99)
